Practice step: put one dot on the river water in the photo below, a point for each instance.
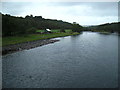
(89, 60)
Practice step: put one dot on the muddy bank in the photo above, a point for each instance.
(26, 45)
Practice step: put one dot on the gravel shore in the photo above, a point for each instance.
(26, 45)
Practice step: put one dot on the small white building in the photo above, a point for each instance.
(48, 30)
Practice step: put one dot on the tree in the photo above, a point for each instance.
(31, 30)
(76, 27)
(62, 30)
(13, 25)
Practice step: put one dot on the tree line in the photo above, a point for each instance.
(12, 25)
(108, 27)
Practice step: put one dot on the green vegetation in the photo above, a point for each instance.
(76, 27)
(68, 30)
(39, 31)
(31, 30)
(31, 37)
(19, 29)
(102, 32)
(14, 26)
(106, 33)
(55, 31)
(108, 27)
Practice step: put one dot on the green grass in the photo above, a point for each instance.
(32, 37)
(40, 31)
(68, 30)
(101, 32)
(106, 33)
(55, 30)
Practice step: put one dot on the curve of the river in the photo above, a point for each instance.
(89, 60)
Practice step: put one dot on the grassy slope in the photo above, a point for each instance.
(32, 37)
(55, 30)
(102, 32)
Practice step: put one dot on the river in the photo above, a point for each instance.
(88, 60)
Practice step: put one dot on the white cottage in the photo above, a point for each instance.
(48, 30)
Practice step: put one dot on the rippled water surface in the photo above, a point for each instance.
(88, 60)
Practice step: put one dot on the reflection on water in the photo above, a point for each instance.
(88, 60)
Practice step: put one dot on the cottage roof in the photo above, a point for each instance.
(48, 29)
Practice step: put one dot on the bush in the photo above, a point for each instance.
(76, 27)
(62, 30)
(31, 30)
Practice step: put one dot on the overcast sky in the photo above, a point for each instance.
(84, 13)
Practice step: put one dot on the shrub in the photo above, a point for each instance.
(31, 30)
(62, 30)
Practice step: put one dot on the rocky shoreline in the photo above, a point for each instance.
(26, 45)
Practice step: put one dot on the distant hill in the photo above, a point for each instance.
(109, 27)
(12, 25)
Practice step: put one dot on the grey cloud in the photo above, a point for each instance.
(97, 8)
(14, 8)
(98, 5)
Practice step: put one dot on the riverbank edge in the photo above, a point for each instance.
(26, 46)
(29, 45)
(32, 37)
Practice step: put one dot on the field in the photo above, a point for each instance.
(55, 30)
(32, 37)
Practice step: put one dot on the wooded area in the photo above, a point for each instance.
(12, 25)
(108, 27)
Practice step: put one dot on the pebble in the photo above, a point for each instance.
(25, 45)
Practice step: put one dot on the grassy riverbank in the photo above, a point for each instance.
(106, 33)
(31, 37)
(102, 32)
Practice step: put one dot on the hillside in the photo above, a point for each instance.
(12, 25)
(108, 27)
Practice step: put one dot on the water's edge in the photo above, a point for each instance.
(26, 45)
(89, 60)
